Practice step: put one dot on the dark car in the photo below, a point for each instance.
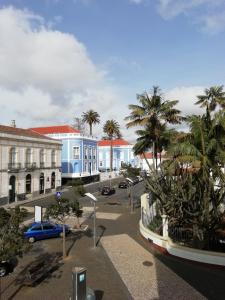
(107, 190)
(44, 230)
(5, 267)
(123, 185)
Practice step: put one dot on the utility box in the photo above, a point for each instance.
(79, 283)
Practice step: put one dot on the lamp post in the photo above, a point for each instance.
(131, 194)
(94, 199)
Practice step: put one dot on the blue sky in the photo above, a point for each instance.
(116, 48)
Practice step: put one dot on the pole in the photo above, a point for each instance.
(131, 199)
(94, 226)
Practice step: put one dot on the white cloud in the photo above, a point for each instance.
(47, 76)
(208, 15)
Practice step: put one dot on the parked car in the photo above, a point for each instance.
(44, 230)
(107, 190)
(123, 184)
(5, 267)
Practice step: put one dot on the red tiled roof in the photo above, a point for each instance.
(55, 129)
(118, 142)
(22, 132)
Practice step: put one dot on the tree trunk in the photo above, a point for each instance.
(64, 240)
(111, 155)
(153, 154)
(90, 129)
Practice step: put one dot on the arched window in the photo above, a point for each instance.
(42, 158)
(53, 180)
(53, 158)
(28, 184)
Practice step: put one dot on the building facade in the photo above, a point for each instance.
(79, 153)
(30, 164)
(122, 153)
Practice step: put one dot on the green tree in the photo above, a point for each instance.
(153, 113)
(112, 130)
(60, 210)
(91, 117)
(213, 97)
(12, 242)
(196, 160)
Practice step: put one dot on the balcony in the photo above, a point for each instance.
(30, 166)
(14, 167)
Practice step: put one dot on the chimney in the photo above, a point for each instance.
(13, 124)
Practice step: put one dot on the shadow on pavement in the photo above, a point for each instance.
(102, 228)
(72, 239)
(42, 268)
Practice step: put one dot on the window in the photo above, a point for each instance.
(37, 228)
(28, 156)
(42, 156)
(53, 158)
(76, 152)
(48, 227)
(89, 152)
(94, 153)
(85, 167)
(100, 164)
(85, 153)
(12, 155)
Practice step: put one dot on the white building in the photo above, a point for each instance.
(30, 164)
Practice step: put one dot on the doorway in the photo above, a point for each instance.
(42, 184)
(12, 189)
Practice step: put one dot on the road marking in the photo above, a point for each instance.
(107, 216)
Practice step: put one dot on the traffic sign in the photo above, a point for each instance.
(58, 194)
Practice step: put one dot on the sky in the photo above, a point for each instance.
(60, 58)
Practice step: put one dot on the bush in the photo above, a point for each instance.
(156, 225)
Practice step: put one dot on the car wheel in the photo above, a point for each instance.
(3, 271)
(31, 240)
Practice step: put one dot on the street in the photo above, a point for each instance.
(122, 266)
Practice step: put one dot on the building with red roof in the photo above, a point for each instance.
(79, 152)
(122, 153)
(30, 164)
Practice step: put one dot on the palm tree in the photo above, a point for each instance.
(204, 147)
(153, 112)
(213, 97)
(91, 117)
(112, 130)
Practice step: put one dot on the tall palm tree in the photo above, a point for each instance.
(213, 97)
(112, 130)
(91, 117)
(154, 112)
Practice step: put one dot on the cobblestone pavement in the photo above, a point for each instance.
(174, 279)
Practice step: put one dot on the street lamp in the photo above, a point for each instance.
(94, 199)
(131, 194)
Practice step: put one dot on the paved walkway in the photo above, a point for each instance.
(144, 276)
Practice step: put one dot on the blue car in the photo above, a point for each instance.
(44, 230)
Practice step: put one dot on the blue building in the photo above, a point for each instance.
(122, 153)
(79, 153)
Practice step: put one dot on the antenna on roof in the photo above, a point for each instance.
(13, 123)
